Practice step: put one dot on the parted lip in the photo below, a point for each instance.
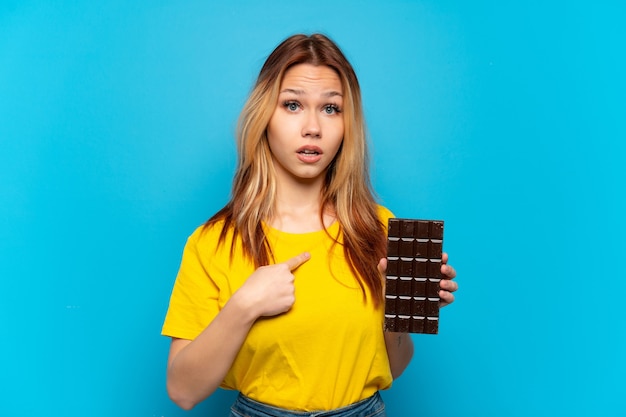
(309, 148)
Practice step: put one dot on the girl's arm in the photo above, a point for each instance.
(196, 368)
(399, 351)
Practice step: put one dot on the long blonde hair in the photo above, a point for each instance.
(347, 188)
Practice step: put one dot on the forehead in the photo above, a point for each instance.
(311, 77)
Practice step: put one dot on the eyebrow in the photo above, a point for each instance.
(301, 92)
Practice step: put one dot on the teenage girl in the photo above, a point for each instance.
(280, 294)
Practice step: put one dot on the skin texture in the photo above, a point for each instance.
(307, 117)
(196, 368)
(304, 134)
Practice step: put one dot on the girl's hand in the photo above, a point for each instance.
(270, 290)
(447, 285)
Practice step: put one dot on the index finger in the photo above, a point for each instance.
(297, 260)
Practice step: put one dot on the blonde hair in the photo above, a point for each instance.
(347, 188)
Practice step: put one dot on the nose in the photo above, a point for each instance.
(311, 127)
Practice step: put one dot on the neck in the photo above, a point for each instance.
(298, 208)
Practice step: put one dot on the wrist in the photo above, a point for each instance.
(243, 307)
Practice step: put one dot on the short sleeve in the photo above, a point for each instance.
(194, 302)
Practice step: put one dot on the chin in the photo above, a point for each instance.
(308, 176)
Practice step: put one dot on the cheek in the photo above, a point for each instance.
(279, 128)
(272, 132)
(336, 147)
(333, 129)
(338, 136)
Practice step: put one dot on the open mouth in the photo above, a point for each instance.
(309, 151)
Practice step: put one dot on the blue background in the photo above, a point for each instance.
(505, 119)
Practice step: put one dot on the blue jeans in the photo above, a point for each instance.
(370, 407)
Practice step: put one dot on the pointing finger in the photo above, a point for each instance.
(297, 260)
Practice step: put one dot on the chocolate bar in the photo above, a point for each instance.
(414, 249)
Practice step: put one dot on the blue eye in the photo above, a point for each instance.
(331, 109)
(291, 105)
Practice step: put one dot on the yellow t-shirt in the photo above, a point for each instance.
(326, 352)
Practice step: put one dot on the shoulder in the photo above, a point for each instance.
(210, 246)
(384, 214)
(208, 235)
(206, 231)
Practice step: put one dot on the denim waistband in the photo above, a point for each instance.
(369, 407)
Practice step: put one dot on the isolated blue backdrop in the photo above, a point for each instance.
(505, 119)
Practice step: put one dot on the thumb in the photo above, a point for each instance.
(297, 260)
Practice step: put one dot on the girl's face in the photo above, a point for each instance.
(306, 129)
